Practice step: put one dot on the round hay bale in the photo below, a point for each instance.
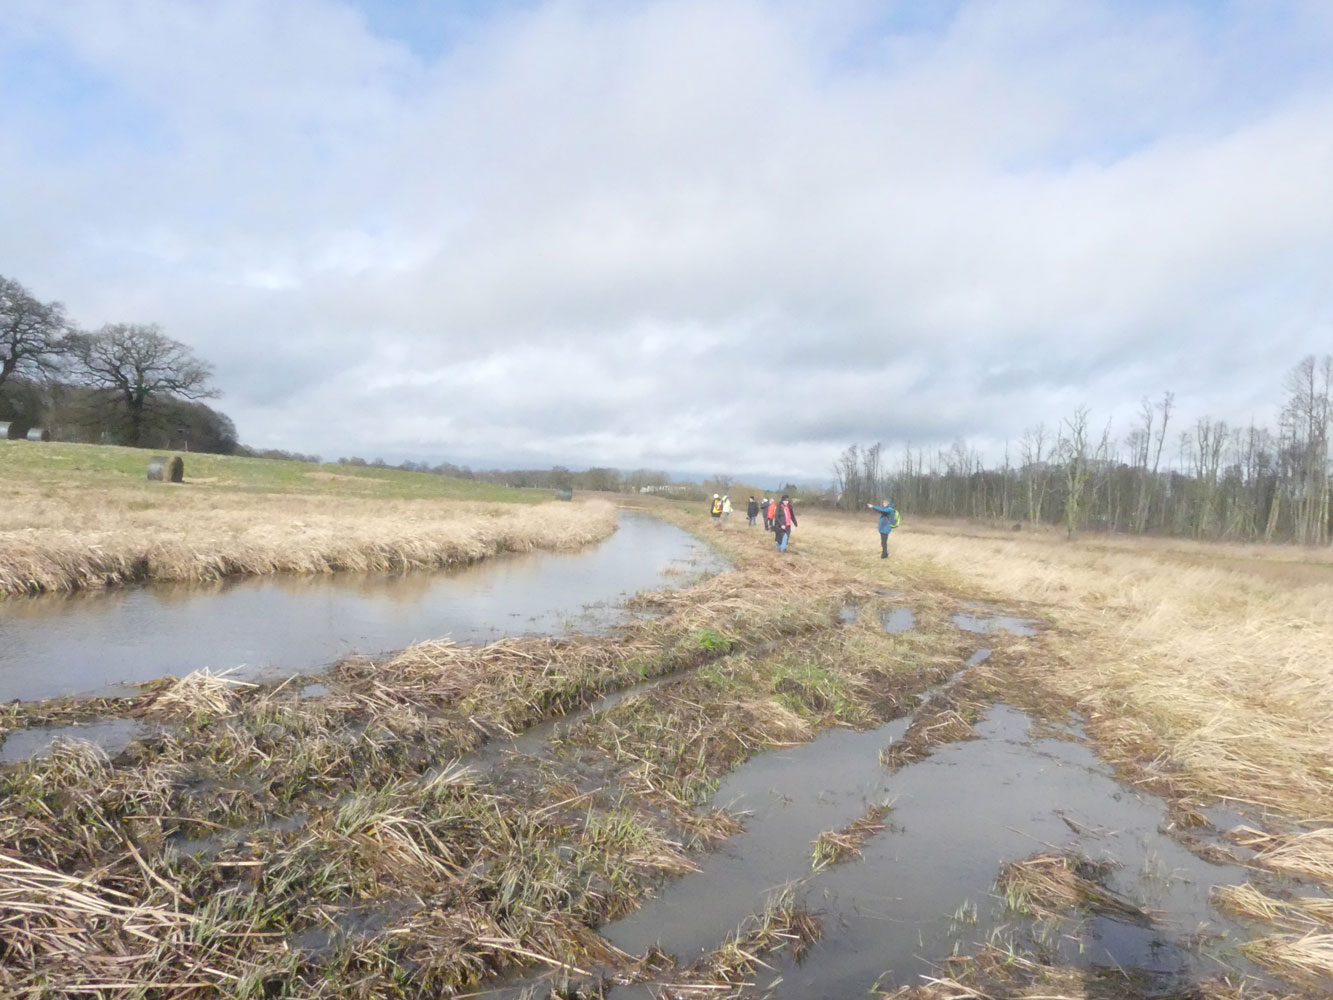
(39, 434)
(565, 493)
(4, 430)
(166, 469)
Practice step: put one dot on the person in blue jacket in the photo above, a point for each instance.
(888, 520)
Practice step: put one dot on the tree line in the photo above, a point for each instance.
(124, 383)
(1210, 479)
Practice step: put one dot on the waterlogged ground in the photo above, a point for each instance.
(782, 782)
(923, 886)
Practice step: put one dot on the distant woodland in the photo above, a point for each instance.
(122, 384)
(1210, 479)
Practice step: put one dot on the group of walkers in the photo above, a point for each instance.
(780, 518)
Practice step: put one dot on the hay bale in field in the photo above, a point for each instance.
(39, 434)
(564, 493)
(166, 468)
(4, 429)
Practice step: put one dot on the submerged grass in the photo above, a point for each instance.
(836, 846)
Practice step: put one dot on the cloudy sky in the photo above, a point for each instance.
(687, 234)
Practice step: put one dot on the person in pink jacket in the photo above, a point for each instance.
(784, 519)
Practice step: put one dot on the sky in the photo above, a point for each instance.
(721, 236)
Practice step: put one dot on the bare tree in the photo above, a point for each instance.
(33, 334)
(873, 479)
(847, 476)
(138, 367)
(1073, 450)
(1036, 470)
(1308, 414)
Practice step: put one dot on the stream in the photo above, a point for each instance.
(97, 642)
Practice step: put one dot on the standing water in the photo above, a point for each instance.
(92, 642)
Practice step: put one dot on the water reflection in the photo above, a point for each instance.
(91, 642)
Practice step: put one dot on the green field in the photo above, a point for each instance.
(105, 466)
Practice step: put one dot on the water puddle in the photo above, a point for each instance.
(93, 642)
(212, 846)
(923, 887)
(898, 620)
(989, 624)
(112, 735)
(351, 922)
(788, 797)
(960, 815)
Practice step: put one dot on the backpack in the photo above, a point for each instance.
(896, 519)
(717, 506)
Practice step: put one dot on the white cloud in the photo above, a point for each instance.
(632, 234)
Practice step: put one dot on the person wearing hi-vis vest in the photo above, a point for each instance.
(716, 511)
(888, 520)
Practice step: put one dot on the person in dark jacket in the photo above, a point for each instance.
(784, 519)
(752, 511)
(888, 520)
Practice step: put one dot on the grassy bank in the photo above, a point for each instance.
(81, 516)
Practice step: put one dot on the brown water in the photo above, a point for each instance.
(95, 642)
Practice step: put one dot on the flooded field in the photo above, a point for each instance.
(784, 781)
(89, 643)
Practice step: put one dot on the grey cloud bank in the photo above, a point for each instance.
(726, 236)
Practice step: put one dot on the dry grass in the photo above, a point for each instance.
(1296, 912)
(997, 973)
(944, 719)
(836, 846)
(201, 691)
(1305, 958)
(1212, 671)
(94, 541)
(1309, 854)
(729, 973)
(1048, 885)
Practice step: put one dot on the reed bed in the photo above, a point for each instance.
(91, 542)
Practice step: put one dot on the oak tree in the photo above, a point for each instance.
(139, 368)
